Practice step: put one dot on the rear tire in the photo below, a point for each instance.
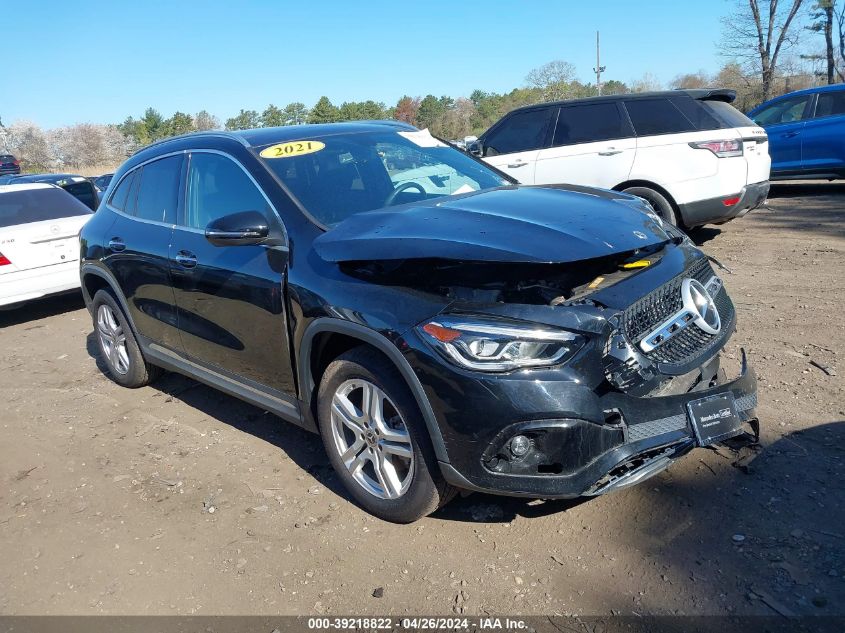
(376, 439)
(658, 202)
(119, 349)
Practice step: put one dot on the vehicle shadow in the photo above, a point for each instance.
(703, 234)
(771, 532)
(42, 308)
(803, 189)
(304, 448)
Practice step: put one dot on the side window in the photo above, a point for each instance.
(830, 104)
(121, 194)
(588, 123)
(217, 186)
(697, 113)
(657, 116)
(784, 111)
(521, 132)
(158, 190)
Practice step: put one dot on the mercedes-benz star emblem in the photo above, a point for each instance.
(699, 303)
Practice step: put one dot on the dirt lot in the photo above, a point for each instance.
(106, 494)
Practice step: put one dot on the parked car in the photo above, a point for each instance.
(78, 186)
(546, 341)
(806, 132)
(102, 182)
(9, 164)
(694, 157)
(39, 248)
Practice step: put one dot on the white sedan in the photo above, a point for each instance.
(39, 241)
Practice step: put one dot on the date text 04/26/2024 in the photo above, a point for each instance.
(417, 623)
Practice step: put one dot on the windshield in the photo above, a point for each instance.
(336, 176)
(22, 206)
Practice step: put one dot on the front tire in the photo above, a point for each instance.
(658, 202)
(376, 439)
(119, 349)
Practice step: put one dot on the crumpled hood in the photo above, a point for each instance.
(547, 224)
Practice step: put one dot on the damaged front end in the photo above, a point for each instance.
(563, 376)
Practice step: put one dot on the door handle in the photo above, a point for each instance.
(186, 259)
(790, 134)
(610, 151)
(116, 245)
(515, 165)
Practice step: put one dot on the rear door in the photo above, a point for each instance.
(230, 299)
(138, 245)
(784, 121)
(514, 143)
(39, 227)
(823, 144)
(593, 144)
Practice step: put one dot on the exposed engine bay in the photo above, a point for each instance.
(501, 282)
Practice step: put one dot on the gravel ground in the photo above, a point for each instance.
(176, 499)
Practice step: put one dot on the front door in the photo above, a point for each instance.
(512, 146)
(230, 299)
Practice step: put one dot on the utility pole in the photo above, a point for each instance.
(599, 69)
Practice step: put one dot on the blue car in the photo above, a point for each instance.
(806, 132)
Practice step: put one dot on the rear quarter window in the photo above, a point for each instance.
(727, 114)
(119, 199)
(651, 117)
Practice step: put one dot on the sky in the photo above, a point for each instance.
(101, 61)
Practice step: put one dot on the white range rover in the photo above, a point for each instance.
(694, 157)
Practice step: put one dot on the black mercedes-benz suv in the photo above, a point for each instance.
(441, 327)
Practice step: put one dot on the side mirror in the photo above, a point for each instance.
(476, 149)
(238, 229)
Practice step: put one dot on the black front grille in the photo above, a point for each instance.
(657, 306)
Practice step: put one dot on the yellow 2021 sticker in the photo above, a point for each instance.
(289, 150)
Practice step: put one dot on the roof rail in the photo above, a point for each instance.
(219, 134)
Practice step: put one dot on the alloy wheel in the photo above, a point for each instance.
(371, 438)
(112, 339)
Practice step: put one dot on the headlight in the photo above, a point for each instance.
(485, 344)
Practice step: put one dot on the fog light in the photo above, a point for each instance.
(520, 445)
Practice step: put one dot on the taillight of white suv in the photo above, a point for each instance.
(722, 149)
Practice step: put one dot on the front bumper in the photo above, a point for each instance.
(713, 211)
(636, 438)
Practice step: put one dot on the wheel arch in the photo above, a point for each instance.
(326, 338)
(94, 278)
(648, 184)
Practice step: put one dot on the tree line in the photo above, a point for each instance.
(770, 47)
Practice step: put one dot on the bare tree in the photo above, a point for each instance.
(552, 79)
(758, 31)
(647, 83)
(691, 80)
